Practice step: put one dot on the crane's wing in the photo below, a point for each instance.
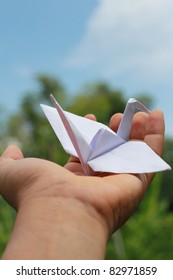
(130, 157)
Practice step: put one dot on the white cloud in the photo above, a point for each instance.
(127, 35)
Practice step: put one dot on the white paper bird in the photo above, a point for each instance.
(101, 148)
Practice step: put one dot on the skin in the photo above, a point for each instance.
(62, 214)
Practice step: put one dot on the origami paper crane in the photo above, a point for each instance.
(101, 148)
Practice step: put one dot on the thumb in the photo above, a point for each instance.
(12, 152)
(7, 175)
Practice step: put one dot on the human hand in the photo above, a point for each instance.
(93, 207)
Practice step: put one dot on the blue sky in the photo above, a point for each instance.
(128, 43)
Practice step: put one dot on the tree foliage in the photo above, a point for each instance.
(98, 99)
(146, 100)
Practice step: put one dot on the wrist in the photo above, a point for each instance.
(76, 231)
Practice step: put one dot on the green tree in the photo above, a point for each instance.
(98, 99)
(145, 99)
(167, 179)
(7, 216)
(31, 128)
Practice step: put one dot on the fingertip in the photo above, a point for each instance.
(115, 121)
(91, 117)
(12, 152)
(139, 125)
